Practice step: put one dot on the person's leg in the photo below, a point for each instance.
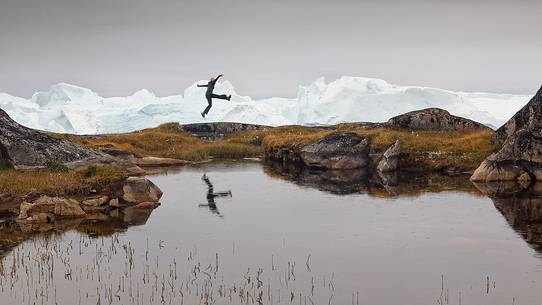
(222, 96)
(204, 113)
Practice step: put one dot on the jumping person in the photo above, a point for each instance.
(209, 95)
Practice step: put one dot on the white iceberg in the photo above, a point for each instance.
(71, 109)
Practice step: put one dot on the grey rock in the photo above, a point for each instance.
(529, 117)
(390, 159)
(337, 151)
(218, 129)
(521, 151)
(434, 119)
(22, 146)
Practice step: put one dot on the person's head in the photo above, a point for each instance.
(212, 78)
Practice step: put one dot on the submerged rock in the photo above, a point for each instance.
(337, 151)
(137, 190)
(21, 146)
(434, 119)
(521, 151)
(390, 159)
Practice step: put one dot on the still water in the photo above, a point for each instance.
(243, 233)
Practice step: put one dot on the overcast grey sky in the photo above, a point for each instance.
(268, 47)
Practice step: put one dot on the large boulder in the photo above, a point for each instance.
(337, 151)
(390, 159)
(22, 146)
(521, 151)
(137, 190)
(434, 119)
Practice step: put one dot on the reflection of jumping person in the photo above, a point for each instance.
(209, 95)
(211, 195)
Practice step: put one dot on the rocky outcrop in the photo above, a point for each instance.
(46, 208)
(21, 146)
(434, 119)
(521, 151)
(337, 151)
(138, 193)
(218, 129)
(529, 117)
(137, 190)
(390, 159)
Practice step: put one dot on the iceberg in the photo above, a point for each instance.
(66, 108)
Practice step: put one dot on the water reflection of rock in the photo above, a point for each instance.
(521, 207)
(104, 223)
(361, 181)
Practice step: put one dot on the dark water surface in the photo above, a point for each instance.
(278, 242)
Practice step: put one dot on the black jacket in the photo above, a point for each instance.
(210, 86)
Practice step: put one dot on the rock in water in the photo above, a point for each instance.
(59, 206)
(22, 146)
(434, 119)
(521, 152)
(96, 201)
(337, 151)
(390, 159)
(137, 190)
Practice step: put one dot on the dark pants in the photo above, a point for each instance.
(210, 101)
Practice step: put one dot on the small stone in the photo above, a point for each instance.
(135, 171)
(114, 202)
(96, 201)
(525, 177)
(147, 205)
(24, 209)
(40, 218)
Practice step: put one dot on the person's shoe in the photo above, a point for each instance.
(229, 97)
(203, 115)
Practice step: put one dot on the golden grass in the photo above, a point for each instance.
(15, 182)
(447, 148)
(425, 149)
(382, 138)
(170, 141)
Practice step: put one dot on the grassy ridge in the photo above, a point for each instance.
(170, 141)
(462, 149)
(424, 149)
(51, 181)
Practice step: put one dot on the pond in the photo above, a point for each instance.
(247, 233)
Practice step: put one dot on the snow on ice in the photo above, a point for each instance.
(72, 109)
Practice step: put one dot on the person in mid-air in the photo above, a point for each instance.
(209, 95)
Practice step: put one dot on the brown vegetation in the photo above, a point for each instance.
(51, 181)
(170, 141)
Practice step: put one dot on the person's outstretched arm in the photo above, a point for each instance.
(203, 85)
(218, 77)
